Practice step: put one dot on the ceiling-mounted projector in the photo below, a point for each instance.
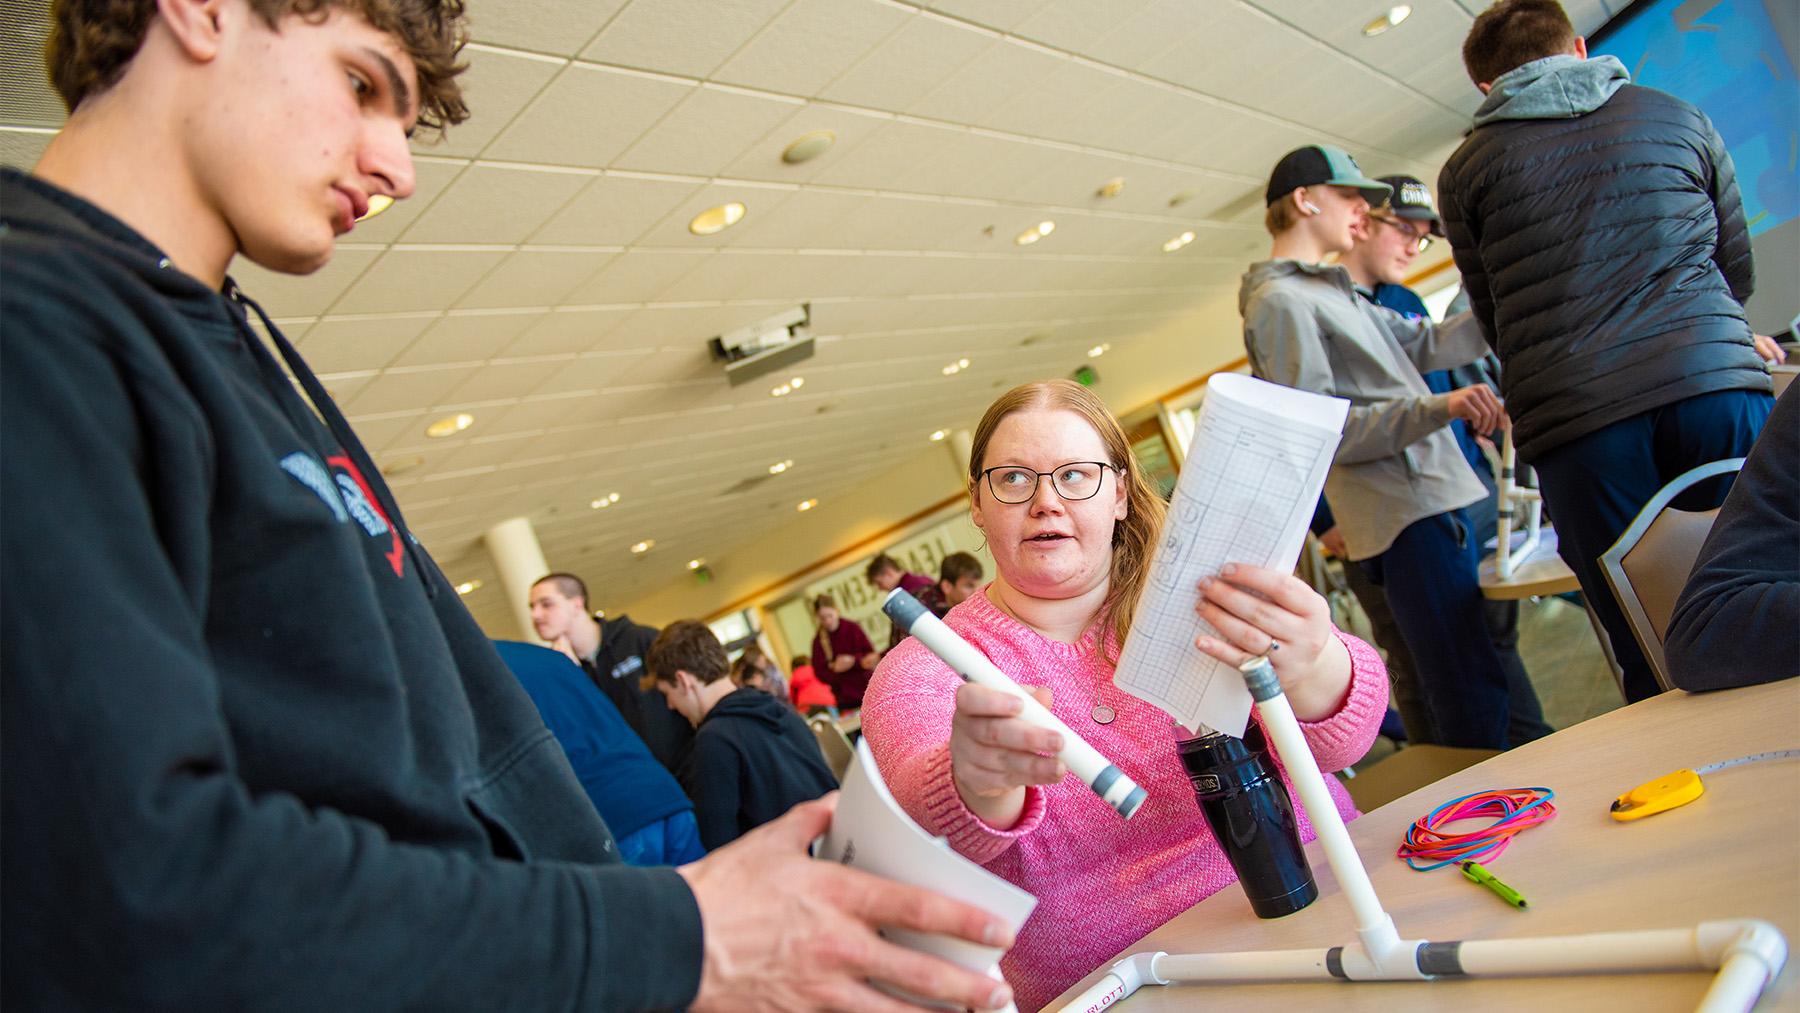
(765, 346)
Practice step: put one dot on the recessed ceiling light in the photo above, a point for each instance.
(605, 501)
(449, 425)
(780, 466)
(1098, 350)
(806, 504)
(1395, 15)
(695, 564)
(644, 546)
(781, 390)
(939, 434)
(716, 219)
(468, 585)
(808, 146)
(378, 202)
(1178, 242)
(1111, 188)
(1035, 233)
(797, 382)
(962, 363)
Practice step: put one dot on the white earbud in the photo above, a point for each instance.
(1311, 208)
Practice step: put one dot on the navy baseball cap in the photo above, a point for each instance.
(1412, 199)
(1322, 164)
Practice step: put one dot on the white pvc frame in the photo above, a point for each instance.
(1747, 953)
(1514, 498)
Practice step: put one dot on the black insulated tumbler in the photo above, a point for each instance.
(1250, 813)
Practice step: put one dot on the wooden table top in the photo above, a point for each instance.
(1732, 853)
(1543, 573)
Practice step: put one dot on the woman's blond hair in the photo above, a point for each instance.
(1134, 538)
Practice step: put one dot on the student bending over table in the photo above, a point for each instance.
(1072, 554)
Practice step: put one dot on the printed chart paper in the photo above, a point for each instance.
(1247, 492)
(871, 832)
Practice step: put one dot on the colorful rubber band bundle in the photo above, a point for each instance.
(1513, 810)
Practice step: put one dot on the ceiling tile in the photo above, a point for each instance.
(21, 147)
(708, 129)
(762, 160)
(909, 64)
(416, 278)
(290, 295)
(615, 210)
(759, 200)
(567, 331)
(812, 42)
(687, 37)
(1073, 26)
(505, 378)
(410, 388)
(432, 176)
(639, 276)
(492, 203)
(587, 115)
(337, 344)
(497, 85)
(996, 78)
(544, 26)
(535, 277)
(1000, 15)
(591, 371)
(466, 337)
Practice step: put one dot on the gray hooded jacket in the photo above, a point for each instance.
(1305, 327)
(1600, 235)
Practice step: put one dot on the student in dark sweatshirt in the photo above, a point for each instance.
(753, 758)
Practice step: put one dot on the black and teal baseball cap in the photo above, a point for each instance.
(1322, 165)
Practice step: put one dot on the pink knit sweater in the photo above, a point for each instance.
(1101, 883)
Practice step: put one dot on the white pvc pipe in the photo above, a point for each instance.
(1381, 944)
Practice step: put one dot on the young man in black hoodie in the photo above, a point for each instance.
(290, 769)
(752, 758)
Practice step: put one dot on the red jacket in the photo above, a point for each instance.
(808, 692)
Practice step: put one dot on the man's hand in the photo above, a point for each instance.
(1770, 349)
(1478, 405)
(786, 932)
(1333, 541)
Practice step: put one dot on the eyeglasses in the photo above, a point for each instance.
(1077, 480)
(1424, 242)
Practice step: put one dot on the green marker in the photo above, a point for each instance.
(1476, 874)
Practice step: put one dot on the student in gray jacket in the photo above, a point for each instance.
(1400, 483)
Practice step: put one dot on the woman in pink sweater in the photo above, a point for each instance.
(1072, 554)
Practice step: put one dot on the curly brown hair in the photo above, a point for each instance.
(92, 42)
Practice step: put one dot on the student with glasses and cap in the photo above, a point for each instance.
(1378, 265)
(1071, 521)
(1399, 484)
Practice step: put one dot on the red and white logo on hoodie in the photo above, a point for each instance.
(348, 495)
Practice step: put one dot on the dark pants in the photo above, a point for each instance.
(1525, 722)
(1434, 591)
(1594, 486)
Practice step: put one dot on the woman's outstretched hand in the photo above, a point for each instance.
(1261, 611)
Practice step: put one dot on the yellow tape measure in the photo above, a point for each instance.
(1671, 791)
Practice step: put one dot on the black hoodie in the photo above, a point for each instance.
(753, 759)
(255, 751)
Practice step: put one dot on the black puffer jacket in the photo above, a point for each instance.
(1600, 235)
